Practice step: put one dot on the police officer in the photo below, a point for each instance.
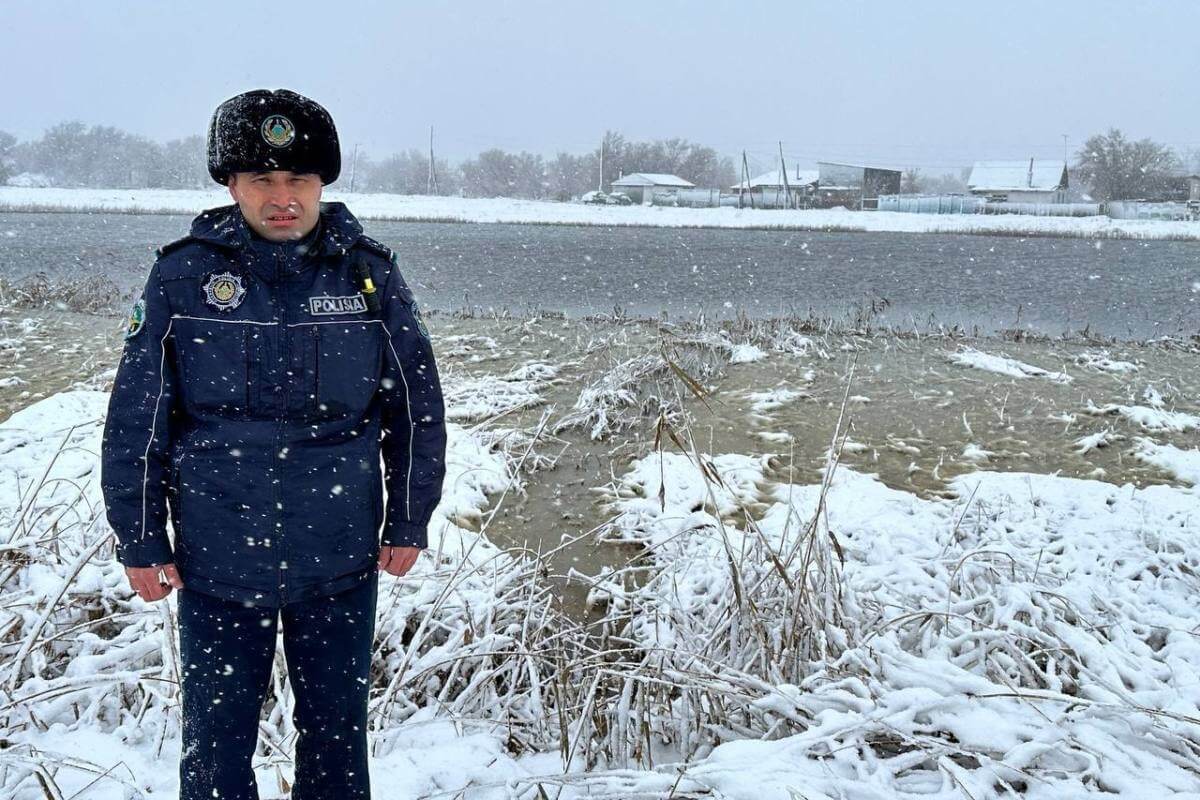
(275, 355)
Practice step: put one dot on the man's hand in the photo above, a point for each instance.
(397, 560)
(147, 583)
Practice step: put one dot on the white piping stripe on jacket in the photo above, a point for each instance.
(412, 426)
(215, 319)
(162, 382)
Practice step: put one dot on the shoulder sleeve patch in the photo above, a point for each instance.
(137, 319)
(415, 307)
(378, 248)
(175, 245)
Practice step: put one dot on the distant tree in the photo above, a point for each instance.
(614, 150)
(569, 175)
(71, 154)
(8, 162)
(1192, 162)
(185, 163)
(946, 183)
(400, 173)
(1116, 168)
(912, 181)
(690, 161)
(496, 173)
(405, 173)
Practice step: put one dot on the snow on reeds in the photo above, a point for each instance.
(779, 632)
(91, 293)
(1035, 636)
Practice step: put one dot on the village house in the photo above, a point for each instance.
(642, 187)
(1032, 181)
(772, 189)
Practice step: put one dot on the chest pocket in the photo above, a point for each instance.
(215, 365)
(348, 362)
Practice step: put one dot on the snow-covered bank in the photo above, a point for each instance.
(1034, 636)
(504, 210)
(1024, 634)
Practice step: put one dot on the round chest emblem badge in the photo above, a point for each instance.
(278, 131)
(224, 291)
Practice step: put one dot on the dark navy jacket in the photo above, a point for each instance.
(254, 397)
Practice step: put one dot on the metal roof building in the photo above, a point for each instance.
(855, 185)
(768, 190)
(1032, 181)
(642, 186)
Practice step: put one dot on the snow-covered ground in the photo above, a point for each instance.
(1035, 636)
(456, 209)
(787, 632)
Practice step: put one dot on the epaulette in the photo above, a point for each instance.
(378, 248)
(175, 245)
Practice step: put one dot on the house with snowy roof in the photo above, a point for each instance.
(641, 187)
(771, 189)
(1032, 181)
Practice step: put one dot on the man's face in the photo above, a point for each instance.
(279, 205)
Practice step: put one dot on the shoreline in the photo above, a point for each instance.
(426, 209)
(861, 322)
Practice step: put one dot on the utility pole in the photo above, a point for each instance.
(745, 184)
(601, 186)
(1064, 149)
(783, 172)
(746, 181)
(353, 168)
(431, 186)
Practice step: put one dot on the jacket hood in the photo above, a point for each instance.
(225, 226)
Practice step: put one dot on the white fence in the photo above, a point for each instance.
(969, 204)
(1118, 209)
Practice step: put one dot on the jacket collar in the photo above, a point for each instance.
(225, 226)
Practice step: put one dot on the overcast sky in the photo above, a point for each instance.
(929, 84)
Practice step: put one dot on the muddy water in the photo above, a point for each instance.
(912, 416)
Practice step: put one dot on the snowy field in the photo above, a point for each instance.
(455, 209)
(859, 567)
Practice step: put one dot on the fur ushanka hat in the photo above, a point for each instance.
(263, 130)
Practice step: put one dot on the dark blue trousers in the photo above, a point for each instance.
(228, 648)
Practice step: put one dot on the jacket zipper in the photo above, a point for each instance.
(246, 340)
(281, 411)
(315, 401)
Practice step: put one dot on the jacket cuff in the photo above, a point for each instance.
(146, 553)
(397, 533)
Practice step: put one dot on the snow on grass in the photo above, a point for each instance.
(470, 399)
(1183, 464)
(974, 452)
(643, 490)
(763, 403)
(1003, 365)
(1148, 418)
(505, 210)
(1034, 637)
(87, 659)
(745, 354)
(1101, 362)
(1097, 441)
(833, 639)
(470, 348)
